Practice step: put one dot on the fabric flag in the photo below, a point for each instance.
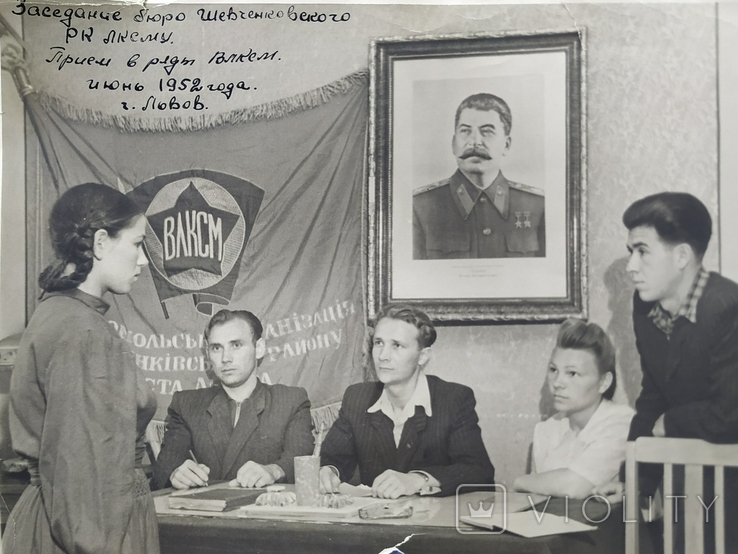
(199, 223)
(260, 213)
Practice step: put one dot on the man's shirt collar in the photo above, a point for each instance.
(665, 321)
(421, 397)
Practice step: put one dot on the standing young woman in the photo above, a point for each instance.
(78, 404)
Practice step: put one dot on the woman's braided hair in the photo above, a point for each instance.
(75, 218)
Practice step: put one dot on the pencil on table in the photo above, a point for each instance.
(194, 459)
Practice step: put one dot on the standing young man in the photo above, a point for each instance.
(409, 432)
(685, 321)
(686, 326)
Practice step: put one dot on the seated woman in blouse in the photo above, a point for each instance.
(582, 446)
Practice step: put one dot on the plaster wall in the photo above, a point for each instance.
(651, 126)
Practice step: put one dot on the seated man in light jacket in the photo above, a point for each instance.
(409, 433)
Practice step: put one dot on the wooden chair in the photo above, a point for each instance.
(154, 436)
(694, 455)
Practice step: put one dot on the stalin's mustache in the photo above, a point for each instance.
(475, 153)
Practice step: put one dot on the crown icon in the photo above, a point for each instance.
(481, 512)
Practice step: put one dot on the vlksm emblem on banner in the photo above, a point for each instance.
(199, 223)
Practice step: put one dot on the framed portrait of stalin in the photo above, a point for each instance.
(477, 212)
(477, 152)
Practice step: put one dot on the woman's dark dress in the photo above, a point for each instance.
(79, 408)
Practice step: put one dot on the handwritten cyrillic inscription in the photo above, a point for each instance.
(143, 59)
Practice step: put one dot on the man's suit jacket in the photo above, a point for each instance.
(692, 376)
(448, 445)
(274, 426)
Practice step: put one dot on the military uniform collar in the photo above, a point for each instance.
(466, 195)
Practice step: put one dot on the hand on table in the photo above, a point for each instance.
(658, 428)
(190, 474)
(329, 479)
(253, 475)
(612, 491)
(393, 484)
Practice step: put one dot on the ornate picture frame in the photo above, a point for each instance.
(476, 204)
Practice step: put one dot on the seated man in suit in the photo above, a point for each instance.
(409, 432)
(240, 429)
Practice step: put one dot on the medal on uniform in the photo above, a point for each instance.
(518, 223)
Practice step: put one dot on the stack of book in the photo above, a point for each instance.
(216, 498)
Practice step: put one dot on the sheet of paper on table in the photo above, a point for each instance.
(529, 524)
(519, 501)
(308, 512)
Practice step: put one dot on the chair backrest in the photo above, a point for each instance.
(694, 455)
(324, 416)
(154, 436)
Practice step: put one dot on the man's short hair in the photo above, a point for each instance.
(677, 217)
(577, 334)
(411, 315)
(224, 316)
(486, 102)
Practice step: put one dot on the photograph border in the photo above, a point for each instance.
(378, 204)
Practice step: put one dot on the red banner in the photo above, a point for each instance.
(261, 215)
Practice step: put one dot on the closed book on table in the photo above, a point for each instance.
(216, 498)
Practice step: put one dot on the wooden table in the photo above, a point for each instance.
(432, 528)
